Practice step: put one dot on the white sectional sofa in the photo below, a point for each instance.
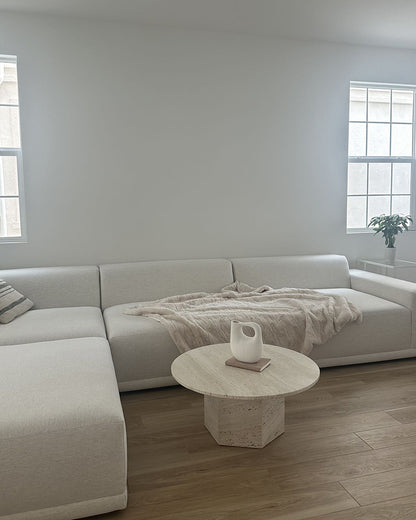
(62, 433)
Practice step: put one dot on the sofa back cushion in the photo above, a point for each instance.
(309, 271)
(50, 287)
(146, 281)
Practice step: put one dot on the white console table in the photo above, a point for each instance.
(402, 269)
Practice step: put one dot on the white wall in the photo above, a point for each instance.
(148, 143)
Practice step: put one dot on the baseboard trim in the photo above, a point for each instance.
(92, 507)
(366, 358)
(142, 384)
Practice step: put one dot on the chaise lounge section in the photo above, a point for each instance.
(62, 432)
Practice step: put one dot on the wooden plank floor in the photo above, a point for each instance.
(349, 453)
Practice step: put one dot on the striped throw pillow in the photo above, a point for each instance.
(12, 303)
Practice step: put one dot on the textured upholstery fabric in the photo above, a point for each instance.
(52, 324)
(12, 303)
(141, 347)
(143, 351)
(49, 287)
(308, 272)
(391, 289)
(62, 432)
(145, 281)
(398, 291)
(386, 326)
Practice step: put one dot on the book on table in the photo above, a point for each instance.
(259, 366)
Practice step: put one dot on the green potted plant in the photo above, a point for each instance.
(390, 226)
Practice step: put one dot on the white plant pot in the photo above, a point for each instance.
(390, 255)
(247, 349)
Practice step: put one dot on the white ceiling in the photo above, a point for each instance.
(374, 22)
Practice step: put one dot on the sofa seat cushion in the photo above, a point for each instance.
(62, 431)
(385, 326)
(52, 324)
(141, 347)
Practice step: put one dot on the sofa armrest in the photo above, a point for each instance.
(392, 289)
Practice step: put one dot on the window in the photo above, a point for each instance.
(11, 179)
(381, 152)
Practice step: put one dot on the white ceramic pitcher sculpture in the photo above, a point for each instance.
(247, 349)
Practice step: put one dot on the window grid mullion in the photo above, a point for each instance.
(391, 119)
(391, 188)
(366, 153)
(10, 151)
(376, 159)
(366, 122)
(413, 164)
(366, 197)
(370, 195)
(405, 123)
(391, 165)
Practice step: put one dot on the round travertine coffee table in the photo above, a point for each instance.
(241, 407)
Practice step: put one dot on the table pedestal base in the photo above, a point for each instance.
(249, 423)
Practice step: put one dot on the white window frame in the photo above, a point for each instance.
(386, 159)
(15, 152)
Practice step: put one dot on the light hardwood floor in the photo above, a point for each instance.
(349, 453)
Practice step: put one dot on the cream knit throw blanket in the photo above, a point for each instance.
(294, 318)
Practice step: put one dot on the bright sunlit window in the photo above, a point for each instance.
(381, 152)
(11, 178)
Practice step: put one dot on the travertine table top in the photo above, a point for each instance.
(203, 370)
